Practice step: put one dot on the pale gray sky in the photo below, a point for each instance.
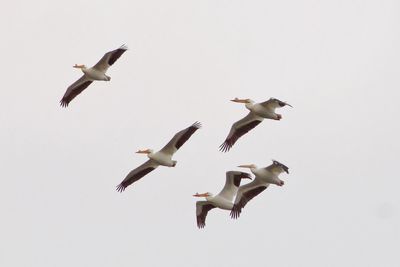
(336, 62)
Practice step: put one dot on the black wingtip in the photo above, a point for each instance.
(235, 212)
(120, 188)
(225, 146)
(200, 224)
(123, 47)
(63, 103)
(246, 175)
(197, 125)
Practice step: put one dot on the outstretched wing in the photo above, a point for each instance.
(136, 174)
(75, 89)
(109, 59)
(239, 129)
(180, 138)
(246, 193)
(232, 183)
(274, 103)
(202, 208)
(277, 167)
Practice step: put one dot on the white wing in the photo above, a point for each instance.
(246, 193)
(232, 183)
(136, 174)
(180, 138)
(109, 59)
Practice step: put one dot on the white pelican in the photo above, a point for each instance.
(258, 112)
(162, 157)
(223, 200)
(95, 73)
(264, 177)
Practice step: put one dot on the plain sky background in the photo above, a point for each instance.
(336, 62)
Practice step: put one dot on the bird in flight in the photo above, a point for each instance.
(222, 200)
(95, 73)
(264, 177)
(258, 112)
(162, 157)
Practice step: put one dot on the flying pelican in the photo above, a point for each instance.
(264, 177)
(95, 73)
(162, 157)
(258, 112)
(223, 200)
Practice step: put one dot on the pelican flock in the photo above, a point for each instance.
(162, 157)
(222, 200)
(95, 73)
(258, 112)
(233, 196)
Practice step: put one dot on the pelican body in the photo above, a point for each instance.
(263, 178)
(222, 200)
(257, 113)
(95, 73)
(162, 157)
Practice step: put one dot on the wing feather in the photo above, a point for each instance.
(232, 183)
(277, 168)
(273, 103)
(75, 89)
(136, 174)
(109, 59)
(245, 194)
(202, 208)
(180, 138)
(239, 129)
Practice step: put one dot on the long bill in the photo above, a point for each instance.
(201, 195)
(237, 100)
(246, 166)
(80, 66)
(144, 151)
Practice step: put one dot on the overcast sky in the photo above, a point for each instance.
(336, 62)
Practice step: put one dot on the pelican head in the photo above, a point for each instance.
(79, 66)
(250, 166)
(206, 195)
(144, 151)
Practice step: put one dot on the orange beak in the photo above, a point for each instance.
(246, 166)
(145, 151)
(78, 66)
(201, 195)
(237, 100)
